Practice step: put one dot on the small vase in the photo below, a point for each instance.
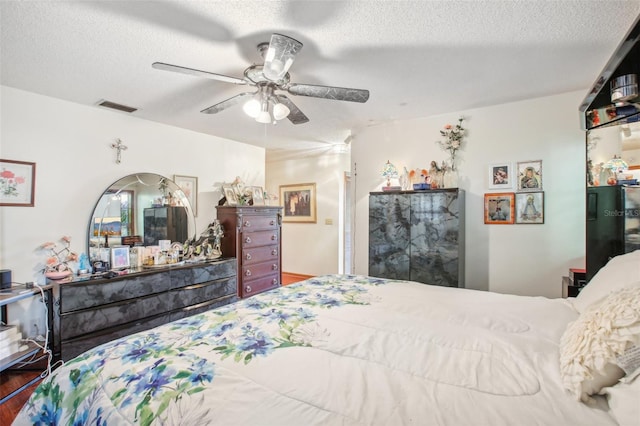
(451, 179)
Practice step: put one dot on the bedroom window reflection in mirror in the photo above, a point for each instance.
(118, 216)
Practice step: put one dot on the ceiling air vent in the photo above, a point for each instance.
(119, 107)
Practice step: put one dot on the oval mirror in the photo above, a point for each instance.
(141, 209)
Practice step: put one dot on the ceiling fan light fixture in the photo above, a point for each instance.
(264, 117)
(280, 55)
(280, 111)
(252, 108)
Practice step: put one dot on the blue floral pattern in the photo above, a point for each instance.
(145, 375)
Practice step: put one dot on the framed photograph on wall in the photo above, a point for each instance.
(230, 194)
(501, 176)
(299, 202)
(530, 207)
(120, 257)
(189, 186)
(17, 183)
(530, 175)
(499, 208)
(257, 195)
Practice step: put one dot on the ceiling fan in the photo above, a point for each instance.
(268, 78)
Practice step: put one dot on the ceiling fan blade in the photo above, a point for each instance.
(280, 55)
(198, 73)
(227, 103)
(328, 92)
(295, 115)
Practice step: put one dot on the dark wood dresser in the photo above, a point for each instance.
(95, 311)
(252, 234)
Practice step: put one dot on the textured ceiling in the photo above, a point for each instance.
(417, 58)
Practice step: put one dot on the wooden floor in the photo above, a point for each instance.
(12, 380)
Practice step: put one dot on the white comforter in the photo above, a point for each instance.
(335, 350)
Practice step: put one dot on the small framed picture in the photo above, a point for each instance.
(189, 187)
(499, 208)
(299, 202)
(257, 195)
(501, 176)
(120, 257)
(530, 175)
(17, 183)
(530, 207)
(230, 195)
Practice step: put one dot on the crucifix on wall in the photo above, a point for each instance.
(119, 146)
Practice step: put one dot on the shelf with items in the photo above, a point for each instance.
(28, 352)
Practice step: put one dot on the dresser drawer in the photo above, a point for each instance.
(258, 223)
(260, 238)
(251, 287)
(256, 270)
(260, 254)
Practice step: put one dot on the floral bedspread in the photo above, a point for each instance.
(332, 350)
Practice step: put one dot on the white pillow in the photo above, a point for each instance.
(623, 402)
(590, 346)
(621, 271)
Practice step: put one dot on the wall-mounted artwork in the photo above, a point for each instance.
(530, 175)
(501, 176)
(299, 202)
(499, 208)
(189, 186)
(530, 207)
(17, 183)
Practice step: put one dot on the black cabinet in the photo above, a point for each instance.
(417, 236)
(613, 224)
(165, 223)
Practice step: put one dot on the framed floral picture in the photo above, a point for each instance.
(501, 176)
(17, 183)
(499, 208)
(530, 175)
(530, 207)
(299, 202)
(189, 187)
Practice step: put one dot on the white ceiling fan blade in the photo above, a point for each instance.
(295, 115)
(328, 92)
(280, 55)
(197, 73)
(227, 103)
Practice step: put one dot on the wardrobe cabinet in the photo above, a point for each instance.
(252, 235)
(417, 236)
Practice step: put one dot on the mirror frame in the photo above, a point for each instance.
(124, 184)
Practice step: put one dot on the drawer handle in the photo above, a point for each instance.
(247, 223)
(247, 240)
(273, 222)
(247, 289)
(274, 267)
(248, 256)
(274, 281)
(248, 273)
(274, 252)
(274, 237)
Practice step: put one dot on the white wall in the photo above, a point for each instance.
(312, 248)
(518, 259)
(70, 144)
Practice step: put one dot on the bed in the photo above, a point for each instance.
(357, 350)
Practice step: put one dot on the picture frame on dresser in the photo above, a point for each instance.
(299, 203)
(189, 187)
(257, 195)
(499, 208)
(120, 257)
(17, 183)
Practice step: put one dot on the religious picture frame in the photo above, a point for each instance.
(299, 203)
(189, 187)
(530, 207)
(501, 175)
(230, 194)
(499, 208)
(530, 175)
(17, 183)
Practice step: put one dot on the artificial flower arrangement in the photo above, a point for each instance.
(57, 262)
(453, 139)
